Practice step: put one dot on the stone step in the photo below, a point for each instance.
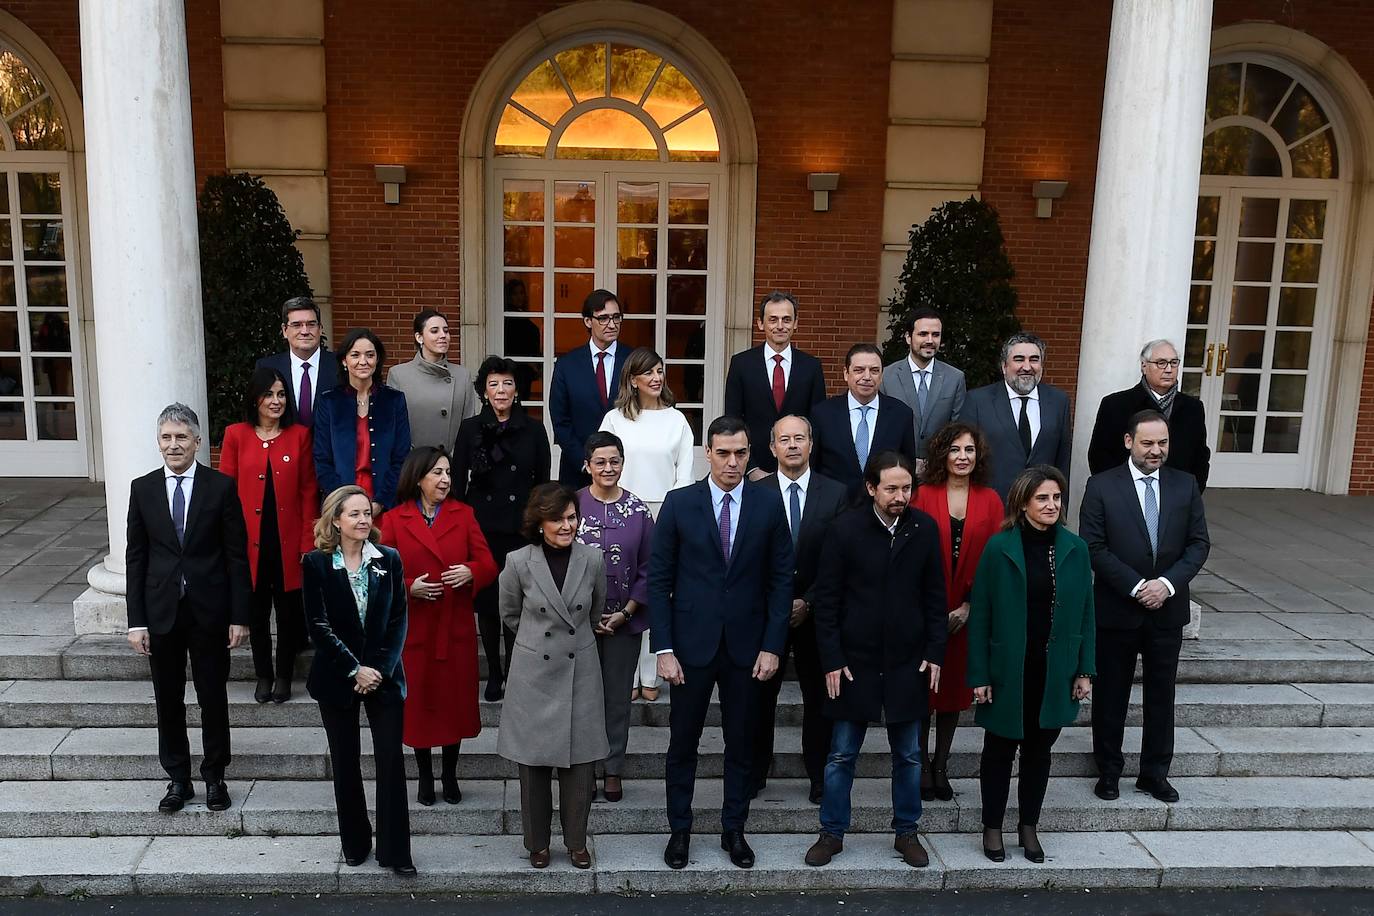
(300, 753)
(103, 704)
(632, 864)
(491, 807)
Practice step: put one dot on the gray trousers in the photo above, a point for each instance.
(619, 659)
(575, 786)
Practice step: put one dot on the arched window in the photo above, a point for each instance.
(1263, 122)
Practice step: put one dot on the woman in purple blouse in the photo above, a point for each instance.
(619, 524)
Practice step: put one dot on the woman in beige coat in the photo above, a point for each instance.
(552, 593)
(439, 394)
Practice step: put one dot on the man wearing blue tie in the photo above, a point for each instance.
(862, 421)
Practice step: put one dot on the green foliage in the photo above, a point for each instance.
(249, 266)
(957, 264)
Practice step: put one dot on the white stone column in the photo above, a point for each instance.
(145, 254)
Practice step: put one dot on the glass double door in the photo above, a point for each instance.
(1258, 334)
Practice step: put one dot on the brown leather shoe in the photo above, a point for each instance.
(612, 789)
(912, 852)
(540, 859)
(826, 847)
(581, 858)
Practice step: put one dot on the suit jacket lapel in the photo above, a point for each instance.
(742, 512)
(429, 536)
(543, 577)
(937, 378)
(1129, 495)
(705, 506)
(1008, 417)
(577, 568)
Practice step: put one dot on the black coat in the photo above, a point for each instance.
(825, 499)
(213, 561)
(342, 642)
(833, 452)
(880, 611)
(494, 469)
(749, 396)
(1188, 450)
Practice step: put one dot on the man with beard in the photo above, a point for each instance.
(933, 390)
(1025, 421)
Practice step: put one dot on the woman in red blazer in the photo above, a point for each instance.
(446, 561)
(967, 513)
(270, 458)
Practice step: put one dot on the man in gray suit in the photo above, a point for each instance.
(933, 390)
(1026, 422)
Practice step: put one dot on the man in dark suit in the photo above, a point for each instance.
(585, 382)
(1158, 390)
(812, 501)
(188, 593)
(720, 593)
(934, 391)
(772, 380)
(851, 426)
(1147, 534)
(308, 367)
(1025, 421)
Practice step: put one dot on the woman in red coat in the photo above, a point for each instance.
(446, 561)
(967, 514)
(279, 509)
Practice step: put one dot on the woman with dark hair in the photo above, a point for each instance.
(362, 428)
(498, 457)
(1031, 649)
(269, 457)
(953, 491)
(446, 561)
(439, 395)
(553, 593)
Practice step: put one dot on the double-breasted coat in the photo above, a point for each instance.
(440, 653)
(554, 711)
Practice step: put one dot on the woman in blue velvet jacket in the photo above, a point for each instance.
(362, 429)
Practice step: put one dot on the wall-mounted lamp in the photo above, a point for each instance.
(820, 184)
(1045, 194)
(391, 177)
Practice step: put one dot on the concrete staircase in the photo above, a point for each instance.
(1275, 747)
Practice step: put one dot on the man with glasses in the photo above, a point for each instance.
(1158, 390)
(585, 382)
(307, 367)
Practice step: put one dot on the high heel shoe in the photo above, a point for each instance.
(263, 692)
(996, 853)
(1030, 844)
(943, 790)
(452, 794)
(424, 791)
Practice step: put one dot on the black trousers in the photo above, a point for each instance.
(345, 750)
(1117, 651)
(209, 655)
(291, 637)
(485, 603)
(815, 736)
(994, 774)
(686, 718)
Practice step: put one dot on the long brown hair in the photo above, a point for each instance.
(1024, 487)
(936, 471)
(641, 360)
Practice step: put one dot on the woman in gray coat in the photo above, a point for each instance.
(439, 394)
(552, 593)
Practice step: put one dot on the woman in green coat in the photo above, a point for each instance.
(1031, 638)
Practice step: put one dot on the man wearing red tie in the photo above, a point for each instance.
(772, 380)
(585, 382)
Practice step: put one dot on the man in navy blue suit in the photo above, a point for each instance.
(307, 367)
(585, 382)
(861, 422)
(720, 595)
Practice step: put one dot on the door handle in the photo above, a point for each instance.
(1211, 351)
(1222, 352)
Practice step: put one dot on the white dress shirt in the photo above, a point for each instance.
(298, 373)
(610, 369)
(917, 370)
(802, 483)
(855, 414)
(1137, 475)
(786, 354)
(1032, 409)
(188, 482)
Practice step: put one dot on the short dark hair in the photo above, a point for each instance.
(259, 383)
(1148, 415)
(422, 319)
(886, 460)
(494, 365)
(726, 426)
(596, 300)
(775, 296)
(547, 503)
(1020, 337)
(861, 348)
(418, 464)
(921, 314)
(936, 471)
(299, 304)
(1024, 487)
(602, 439)
(351, 338)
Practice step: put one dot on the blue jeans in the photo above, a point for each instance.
(846, 740)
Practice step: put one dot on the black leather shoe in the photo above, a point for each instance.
(733, 842)
(405, 871)
(495, 690)
(217, 796)
(1106, 788)
(996, 853)
(355, 861)
(263, 692)
(816, 794)
(1158, 787)
(281, 690)
(424, 791)
(452, 794)
(679, 844)
(178, 794)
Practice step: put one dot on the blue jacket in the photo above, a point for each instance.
(336, 440)
(575, 407)
(343, 642)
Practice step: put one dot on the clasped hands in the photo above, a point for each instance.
(366, 680)
(1153, 594)
(765, 666)
(454, 577)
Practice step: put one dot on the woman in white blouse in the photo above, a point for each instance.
(658, 457)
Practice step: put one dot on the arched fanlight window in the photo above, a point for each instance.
(1264, 123)
(607, 101)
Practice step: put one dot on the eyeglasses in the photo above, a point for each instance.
(604, 320)
(606, 463)
(303, 325)
(1162, 364)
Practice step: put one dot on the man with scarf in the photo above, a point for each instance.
(1157, 390)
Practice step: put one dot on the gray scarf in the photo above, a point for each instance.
(1165, 400)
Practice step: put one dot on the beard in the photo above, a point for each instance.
(1023, 384)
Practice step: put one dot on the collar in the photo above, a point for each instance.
(190, 472)
(717, 494)
(804, 481)
(1137, 474)
(440, 368)
(609, 351)
(313, 359)
(769, 353)
(1011, 392)
(911, 363)
(855, 405)
(370, 553)
(1155, 395)
(892, 528)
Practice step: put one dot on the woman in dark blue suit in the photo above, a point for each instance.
(355, 605)
(362, 429)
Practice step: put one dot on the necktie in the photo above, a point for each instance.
(725, 527)
(601, 379)
(1023, 425)
(179, 510)
(861, 437)
(1151, 514)
(307, 399)
(779, 382)
(923, 390)
(794, 511)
